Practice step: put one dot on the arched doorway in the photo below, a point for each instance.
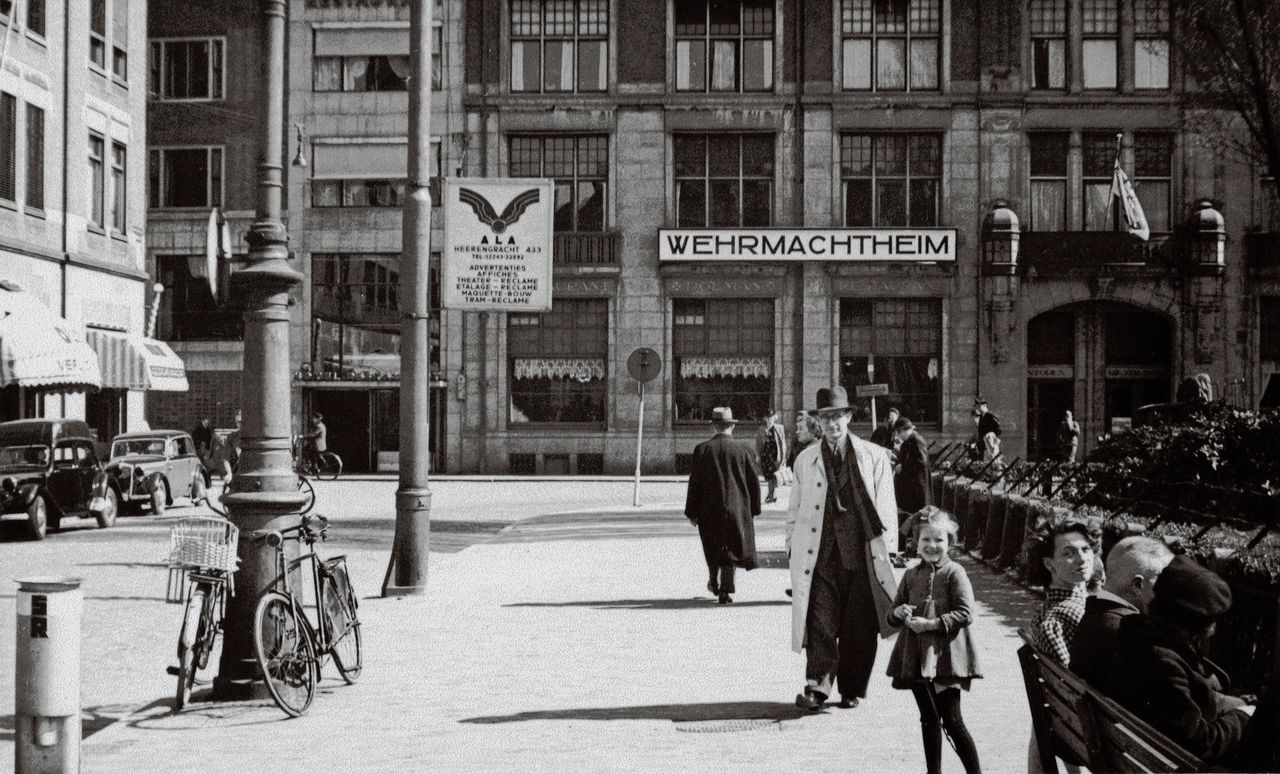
(1099, 360)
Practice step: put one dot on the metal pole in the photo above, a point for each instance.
(413, 498)
(635, 495)
(264, 492)
(873, 413)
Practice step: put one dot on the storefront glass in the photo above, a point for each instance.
(723, 351)
(897, 342)
(557, 362)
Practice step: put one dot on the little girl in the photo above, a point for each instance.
(934, 656)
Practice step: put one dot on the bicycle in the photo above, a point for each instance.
(325, 465)
(289, 649)
(206, 548)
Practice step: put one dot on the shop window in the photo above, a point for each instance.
(723, 351)
(1048, 44)
(559, 45)
(1098, 160)
(1048, 180)
(557, 363)
(522, 464)
(8, 147)
(188, 311)
(187, 69)
(897, 342)
(579, 166)
(724, 46)
(185, 177)
(890, 45)
(1269, 327)
(891, 179)
(1153, 177)
(723, 180)
(590, 464)
(1151, 44)
(35, 158)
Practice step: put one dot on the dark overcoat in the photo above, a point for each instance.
(911, 485)
(724, 498)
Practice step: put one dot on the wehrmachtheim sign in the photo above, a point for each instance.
(497, 244)
(807, 244)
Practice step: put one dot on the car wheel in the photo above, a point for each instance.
(37, 518)
(107, 516)
(160, 498)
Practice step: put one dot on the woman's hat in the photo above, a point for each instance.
(722, 415)
(831, 399)
(1189, 594)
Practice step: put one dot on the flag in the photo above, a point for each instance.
(1135, 220)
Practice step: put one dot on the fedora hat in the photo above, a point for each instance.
(832, 399)
(722, 415)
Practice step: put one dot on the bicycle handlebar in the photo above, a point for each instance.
(275, 537)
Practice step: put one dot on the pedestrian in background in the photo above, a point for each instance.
(722, 501)
(911, 481)
(230, 453)
(771, 447)
(807, 431)
(842, 524)
(935, 657)
(988, 430)
(202, 435)
(1068, 438)
(883, 434)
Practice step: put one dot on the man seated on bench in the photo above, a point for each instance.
(1133, 565)
(1162, 675)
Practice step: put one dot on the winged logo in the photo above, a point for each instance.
(485, 212)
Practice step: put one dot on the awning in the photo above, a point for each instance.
(581, 369)
(138, 363)
(40, 349)
(721, 367)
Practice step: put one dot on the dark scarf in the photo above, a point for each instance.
(847, 492)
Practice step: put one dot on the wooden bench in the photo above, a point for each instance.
(1082, 727)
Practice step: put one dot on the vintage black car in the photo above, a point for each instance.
(49, 471)
(154, 467)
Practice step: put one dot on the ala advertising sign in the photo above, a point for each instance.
(497, 244)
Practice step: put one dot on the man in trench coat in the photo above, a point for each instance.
(723, 500)
(842, 525)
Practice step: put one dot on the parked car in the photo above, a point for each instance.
(154, 467)
(49, 471)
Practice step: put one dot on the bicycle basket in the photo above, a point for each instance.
(204, 543)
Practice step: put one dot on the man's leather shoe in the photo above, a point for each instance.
(810, 700)
(711, 586)
(725, 599)
(848, 702)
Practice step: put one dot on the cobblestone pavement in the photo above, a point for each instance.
(571, 642)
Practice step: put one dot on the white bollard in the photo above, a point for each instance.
(47, 688)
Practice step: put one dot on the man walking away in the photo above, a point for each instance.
(842, 525)
(771, 446)
(988, 430)
(202, 434)
(1068, 438)
(723, 499)
(911, 483)
(883, 434)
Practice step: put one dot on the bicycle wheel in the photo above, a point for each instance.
(342, 624)
(304, 486)
(188, 642)
(282, 642)
(328, 466)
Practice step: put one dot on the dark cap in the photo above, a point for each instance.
(1191, 595)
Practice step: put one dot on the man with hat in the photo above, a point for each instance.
(723, 499)
(1162, 675)
(988, 430)
(842, 526)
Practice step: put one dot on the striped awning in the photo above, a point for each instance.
(38, 348)
(138, 363)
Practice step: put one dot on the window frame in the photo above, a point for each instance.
(1054, 9)
(1113, 37)
(707, 179)
(97, 182)
(34, 195)
(37, 12)
(98, 52)
(909, 306)
(157, 80)
(574, 40)
(876, 35)
(1087, 179)
(119, 187)
(707, 38)
(684, 331)
(906, 177)
(158, 182)
(1167, 179)
(9, 146)
(1141, 36)
(575, 180)
(344, 61)
(1064, 179)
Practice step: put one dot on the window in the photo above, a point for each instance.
(1099, 159)
(559, 45)
(1151, 44)
(8, 147)
(891, 179)
(557, 362)
(580, 168)
(723, 179)
(185, 177)
(437, 53)
(890, 45)
(1101, 21)
(723, 352)
(97, 181)
(35, 158)
(1048, 44)
(363, 174)
(119, 204)
(1048, 180)
(120, 40)
(98, 33)
(187, 69)
(359, 73)
(36, 17)
(724, 46)
(1153, 177)
(187, 308)
(902, 340)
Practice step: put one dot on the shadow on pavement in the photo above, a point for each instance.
(651, 604)
(676, 713)
(92, 720)
(1006, 598)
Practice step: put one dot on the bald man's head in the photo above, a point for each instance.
(1133, 566)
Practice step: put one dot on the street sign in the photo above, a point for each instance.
(644, 364)
(871, 390)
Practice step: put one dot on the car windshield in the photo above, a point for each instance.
(25, 455)
(138, 446)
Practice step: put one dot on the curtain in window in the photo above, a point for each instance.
(579, 369)
(722, 367)
(724, 65)
(1048, 205)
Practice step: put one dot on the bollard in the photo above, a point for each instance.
(47, 684)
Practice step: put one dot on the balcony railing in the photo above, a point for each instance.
(577, 248)
(1073, 251)
(1263, 249)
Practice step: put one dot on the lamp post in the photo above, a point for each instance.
(264, 492)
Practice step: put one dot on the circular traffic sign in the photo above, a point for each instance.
(644, 364)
